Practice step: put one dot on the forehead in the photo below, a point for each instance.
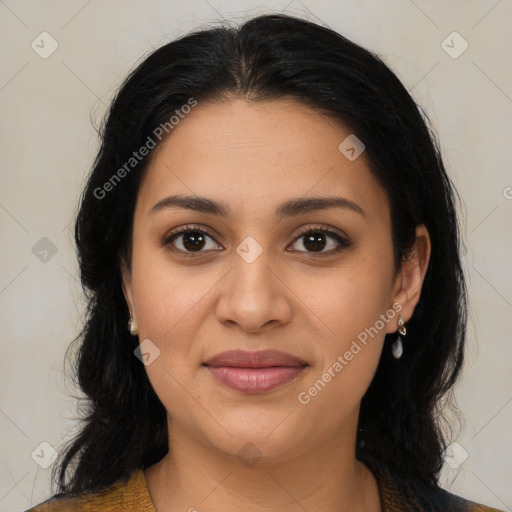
(252, 154)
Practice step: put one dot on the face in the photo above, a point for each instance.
(244, 279)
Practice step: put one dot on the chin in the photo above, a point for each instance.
(264, 434)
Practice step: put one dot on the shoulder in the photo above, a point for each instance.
(124, 495)
(408, 495)
(456, 503)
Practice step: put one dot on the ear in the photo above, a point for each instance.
(126, 283)
(409, 280)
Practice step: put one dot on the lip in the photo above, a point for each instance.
(254, 372)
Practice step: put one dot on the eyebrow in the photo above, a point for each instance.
(290, 208)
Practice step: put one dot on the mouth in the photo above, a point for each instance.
(254, 372)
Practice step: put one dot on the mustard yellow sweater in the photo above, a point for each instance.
(132, 495)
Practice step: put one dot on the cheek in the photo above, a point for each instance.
(354, 309)
(348, 352)
(346, 301)
(166, 296)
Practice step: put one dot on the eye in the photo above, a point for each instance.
(189, 240)
(315, 240)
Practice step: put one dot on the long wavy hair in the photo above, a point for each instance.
(123, 425)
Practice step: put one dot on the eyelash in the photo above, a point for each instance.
(342, 242)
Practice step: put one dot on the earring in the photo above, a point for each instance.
(397, 348)
(132, 327)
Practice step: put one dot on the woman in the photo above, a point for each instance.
(270, 217)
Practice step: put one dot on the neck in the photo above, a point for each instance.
(195, 477)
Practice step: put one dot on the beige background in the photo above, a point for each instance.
(48, 143)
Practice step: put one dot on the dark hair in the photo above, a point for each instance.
(266, 58)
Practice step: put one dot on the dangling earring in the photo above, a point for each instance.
(397, 348)
(132, 327)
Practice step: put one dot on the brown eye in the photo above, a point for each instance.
(317, 240)
(190, 240)
(193, 240)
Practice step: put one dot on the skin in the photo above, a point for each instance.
(254, 156)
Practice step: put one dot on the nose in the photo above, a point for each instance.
(254, 296)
